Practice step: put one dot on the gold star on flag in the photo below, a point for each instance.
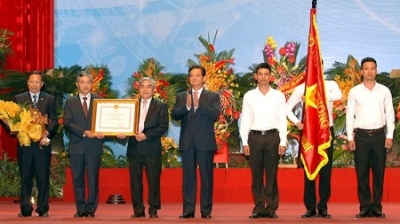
(311, 93)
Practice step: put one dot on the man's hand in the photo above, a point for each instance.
(89, 134)
(300, 126)
(246, 150)
(188, 100)
(351, 145)
(282, 150)
(140, 136)
(121, 136)
(388, 143)
(99, 135)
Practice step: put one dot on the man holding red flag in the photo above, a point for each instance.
(310, 199)
(316, 137)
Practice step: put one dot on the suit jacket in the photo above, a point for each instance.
(155, 125)
(76, 123)
(46, 105)
(197, 127)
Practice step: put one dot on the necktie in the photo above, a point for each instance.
(143, 113)
(196, 98)
(84, 105)
(34, 101)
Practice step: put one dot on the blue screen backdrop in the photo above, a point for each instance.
(122, 33)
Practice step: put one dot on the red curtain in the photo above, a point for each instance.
(32, 23)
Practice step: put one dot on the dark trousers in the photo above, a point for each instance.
(310, 198)
(91, 164)
(152, 166)
(205, 160)
(370, 153)
(264, 167)
(33, 161)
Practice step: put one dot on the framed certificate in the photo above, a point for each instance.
(114, 116)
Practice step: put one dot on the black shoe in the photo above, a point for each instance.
(363, 214)
(256, 215)
(324, 214)
(271, 215)
(378, 214)
(80, 215)
(44, 215)
(24, 214)
(153, 215)
(138, 215)
(187, 215)
(206, 216)
(90, 215)
(309, 214)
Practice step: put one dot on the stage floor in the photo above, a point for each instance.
(222, 213)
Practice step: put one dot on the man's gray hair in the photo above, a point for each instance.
(151, 80)
(84, 73)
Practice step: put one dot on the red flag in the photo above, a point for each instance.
(316, 134)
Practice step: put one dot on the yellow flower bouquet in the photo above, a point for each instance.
(27, 124)
(9, 112)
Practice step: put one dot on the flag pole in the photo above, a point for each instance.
(314, 4)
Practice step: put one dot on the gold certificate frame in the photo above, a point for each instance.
(114, 116)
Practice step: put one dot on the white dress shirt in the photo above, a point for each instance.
(37, 96)
(88, 96)
(333, 93)
(369, 109)
(198, 95)
(263, 112)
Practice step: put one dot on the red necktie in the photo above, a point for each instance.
(84, 105)
(196, 97)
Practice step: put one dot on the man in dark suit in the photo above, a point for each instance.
(35, 159)
(197, 109)
(144, 150)
(85, 147)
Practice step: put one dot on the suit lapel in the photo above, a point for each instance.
(40, 100)
(150, 110)
(78, 104)
(27, 98)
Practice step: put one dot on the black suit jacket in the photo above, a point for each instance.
(197, 127)
(46, 105)
(155, 125)
(76, 123)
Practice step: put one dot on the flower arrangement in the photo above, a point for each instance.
(220, 78)
(29, 124)
(284, 69)
(10, 111)
(170, 153)
(342, 156)
(346, 76)
(163, 90)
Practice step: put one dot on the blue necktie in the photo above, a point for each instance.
(34, 101)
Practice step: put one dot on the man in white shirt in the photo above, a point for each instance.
(263, 130)
(333, 93)
(369, 112)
